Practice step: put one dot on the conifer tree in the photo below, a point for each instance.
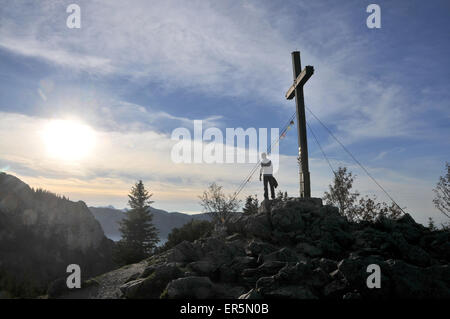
(139, 235)
(251, 205)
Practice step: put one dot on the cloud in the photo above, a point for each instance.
(120, 158)
(110, 114)
(222, 49)
(31, 47)
(195, 46)
(214, 49)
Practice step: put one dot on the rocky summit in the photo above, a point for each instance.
(296, 248)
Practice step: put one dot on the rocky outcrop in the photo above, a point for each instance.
(41, 234)
(299, 248)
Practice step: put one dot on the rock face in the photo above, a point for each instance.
(299, 248)
(41, 234)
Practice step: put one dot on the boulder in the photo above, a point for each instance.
(190, 288)
(336, 289)
(330, 247)
(152, 286)
(265, 206)
(250, 226)
(129, 288)
(299, 272)
(325, 264)
(235, 236)
(148, 271)
(221, 252)
(240, 263)
(308, 249)
(134, 276)
(413, 254)
(255, 247)
(258, 226)
(269, 268)
(284, 254)
(319, 278)
(227, 274)
(287, 218)
(202, 267)
(264, 284)
(184, 252)
(354, 268)
(409, 281)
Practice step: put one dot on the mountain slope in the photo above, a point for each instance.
(41, 234)
(163, 220)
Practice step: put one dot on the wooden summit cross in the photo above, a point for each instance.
(296, 90)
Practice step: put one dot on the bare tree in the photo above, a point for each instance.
(340, 193)
(442, 193)
(220, 206)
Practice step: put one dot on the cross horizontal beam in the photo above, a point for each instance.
(301, 79)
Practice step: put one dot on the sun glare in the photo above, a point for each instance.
(68, 140)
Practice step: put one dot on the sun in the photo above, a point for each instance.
(68, 140)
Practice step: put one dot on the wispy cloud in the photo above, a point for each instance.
(101, 179)
(235, 50)
(34, 48)
(221, 49)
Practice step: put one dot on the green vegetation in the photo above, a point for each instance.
(164, 294)
(19, 286)
(139, 235)
(353, 207)
(191, 231)
(251, 205)
(282, 196)
(42, 194)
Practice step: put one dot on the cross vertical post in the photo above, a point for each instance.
(300, 78)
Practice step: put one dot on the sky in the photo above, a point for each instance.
(137, 70)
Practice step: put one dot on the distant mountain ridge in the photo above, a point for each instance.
(164, 221)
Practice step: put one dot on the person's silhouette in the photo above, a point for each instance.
(267, 172)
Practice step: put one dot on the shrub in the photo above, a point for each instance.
(191, 231)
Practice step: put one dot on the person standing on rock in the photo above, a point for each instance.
(266, 171)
